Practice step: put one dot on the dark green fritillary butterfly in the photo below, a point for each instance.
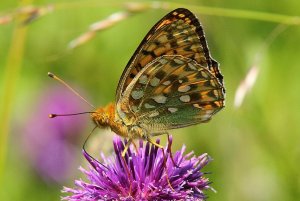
(170, 82)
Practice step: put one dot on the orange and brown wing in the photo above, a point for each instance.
(178, 33)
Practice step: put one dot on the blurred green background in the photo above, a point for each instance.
(255, 147)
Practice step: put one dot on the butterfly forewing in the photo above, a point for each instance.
(171, 92)
(178, 33)
(171, 81)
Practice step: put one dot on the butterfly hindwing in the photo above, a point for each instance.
(171, 92)
(178, 33)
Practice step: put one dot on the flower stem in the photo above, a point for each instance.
(244, 14)
(10, 79)
(203, 10)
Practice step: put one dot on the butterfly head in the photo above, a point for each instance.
(100, 117)
(103, 117)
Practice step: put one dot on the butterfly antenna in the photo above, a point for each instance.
(70, 88)
(72, 114)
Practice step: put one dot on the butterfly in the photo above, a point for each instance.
(170, 82)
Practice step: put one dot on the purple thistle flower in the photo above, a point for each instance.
(142, 176)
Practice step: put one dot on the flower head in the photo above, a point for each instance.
(142, 176)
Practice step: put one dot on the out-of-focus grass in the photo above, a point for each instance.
(10, 79)
(255, 148)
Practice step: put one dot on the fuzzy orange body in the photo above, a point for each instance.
(106, 117)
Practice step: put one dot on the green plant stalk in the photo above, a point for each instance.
(10, 79)
(203, 10)
(244, 14)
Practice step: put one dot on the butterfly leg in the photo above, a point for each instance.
(125, 164)
(135, 146)
(126, 147)
(151, 141)
(170, 150)
(169, 146)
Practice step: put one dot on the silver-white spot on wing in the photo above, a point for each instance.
(137, 94)
(154, 82)
(143, 79)
(166, 83)
(154, 114)
(172, 109)
(192, 66)
(178, 61)
(184, 88)
(148, 106)
(160, 99)
(185, 98)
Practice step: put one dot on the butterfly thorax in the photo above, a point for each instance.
(106, 118)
